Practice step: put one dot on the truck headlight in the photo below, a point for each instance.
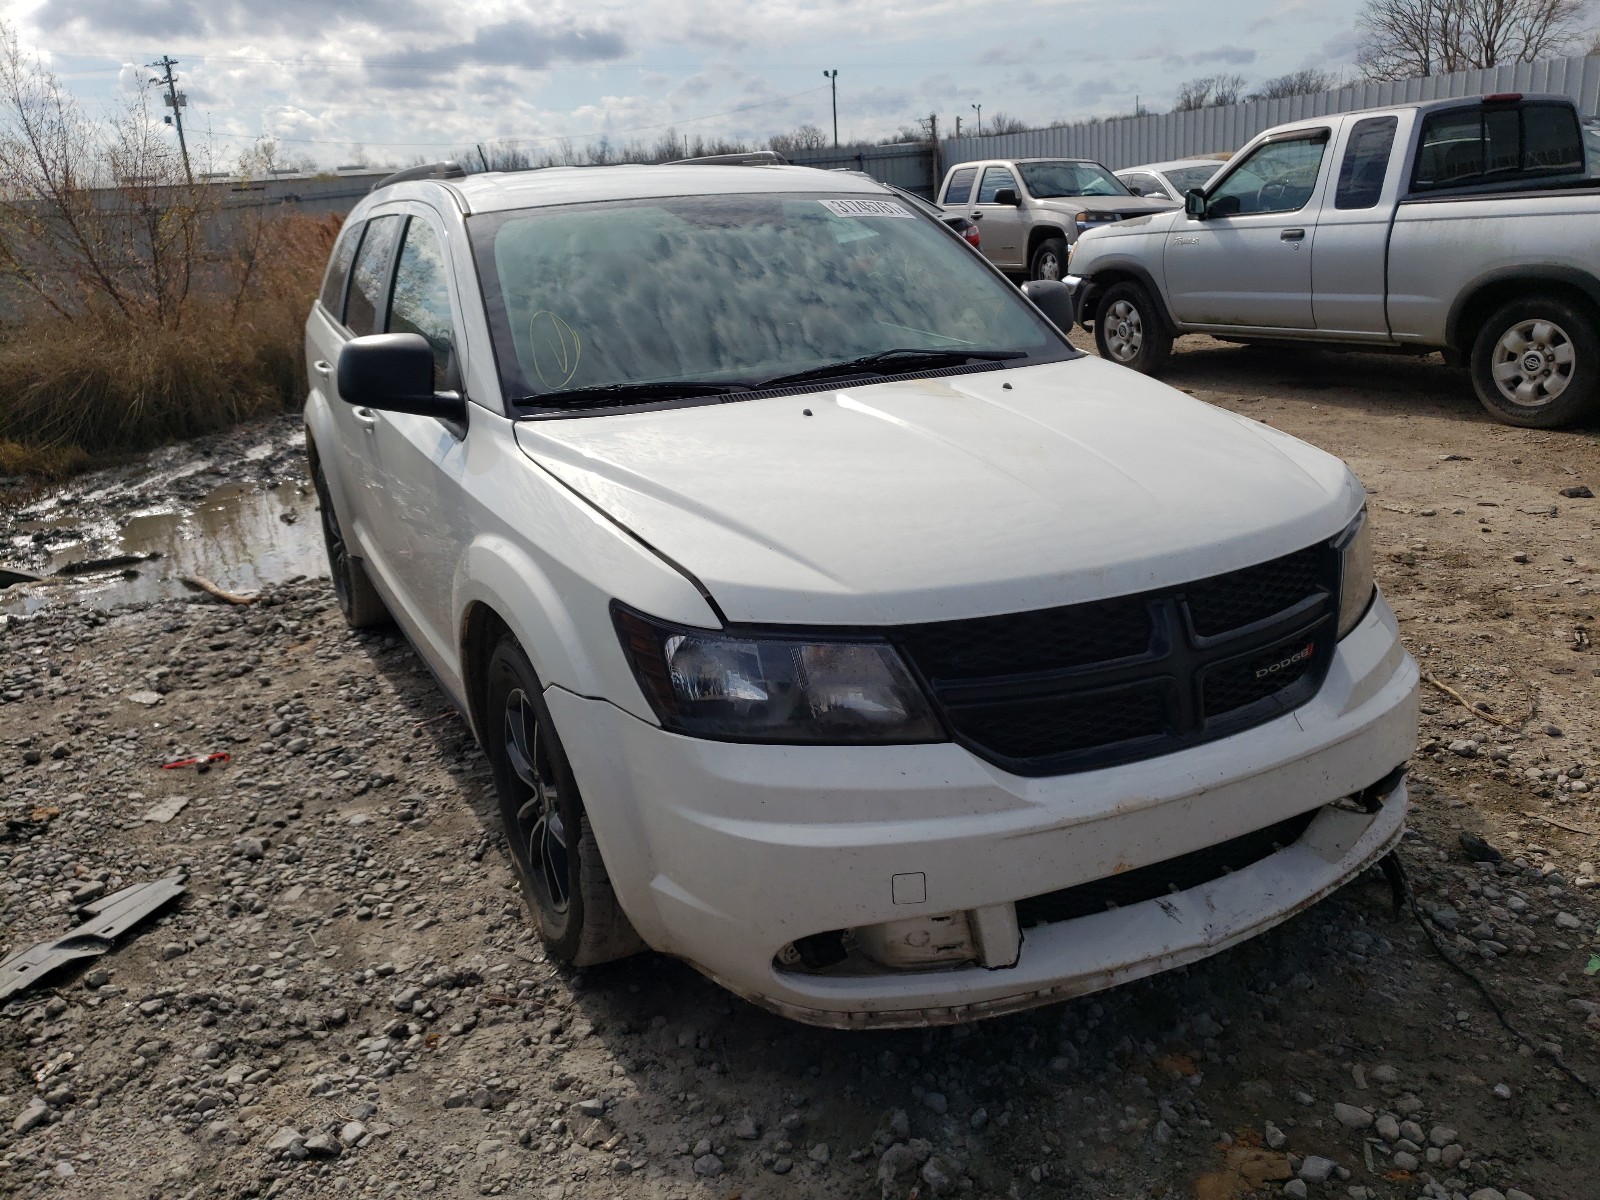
(1088, 220)
(775, 688)
(1356, 583)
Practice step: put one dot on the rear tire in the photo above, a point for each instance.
(564, 880)
(1129, 330)
(358, 600)
(1049, 260)
(1536, 363)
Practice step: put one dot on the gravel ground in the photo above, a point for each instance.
(348, 1002)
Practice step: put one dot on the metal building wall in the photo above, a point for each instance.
(1131, 141)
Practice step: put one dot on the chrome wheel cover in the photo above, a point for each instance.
(1533, 363)
(1124, 331)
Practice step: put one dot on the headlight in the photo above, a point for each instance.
(1087, 220)
(775, 688)
(1356, 583)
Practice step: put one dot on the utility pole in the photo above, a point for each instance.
(175, 101)
(933, 152)
(833, 79)
(978, 108)
(958, 125)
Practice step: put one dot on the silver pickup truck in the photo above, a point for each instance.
(1469, 226)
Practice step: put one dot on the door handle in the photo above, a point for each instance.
(1292, 235)
(322, 367)
(367, 417)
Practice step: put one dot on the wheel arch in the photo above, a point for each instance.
(1111, 272)
(1043, 233)
(1479, 300)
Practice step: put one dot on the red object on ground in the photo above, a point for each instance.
(203, 760)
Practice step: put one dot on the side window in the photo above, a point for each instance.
(1366, 161)
(420, 301)
(1277, 177)
(1148, 185)
(959, 189)
(344, 250)
(994, 179)
(370, 276)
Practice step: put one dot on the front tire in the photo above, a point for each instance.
(1128, 329)
(358, 600)
(558, 863)
(1049, 260)
(1536, 363)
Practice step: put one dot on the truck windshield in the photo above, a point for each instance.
(1046, 179)
(608, 302)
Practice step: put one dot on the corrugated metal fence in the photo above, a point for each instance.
(1130, 141)
(907, 165)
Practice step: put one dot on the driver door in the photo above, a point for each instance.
(1248, 264)
(1001, 224)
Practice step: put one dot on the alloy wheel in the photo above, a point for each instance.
(1533, 363)
(541, 832)
(1049, 266)
(1124, 331)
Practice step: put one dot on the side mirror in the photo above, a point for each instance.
(1194, 204)
(1054, 299)
(1008, 196)
(393, 372)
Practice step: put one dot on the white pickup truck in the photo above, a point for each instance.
(1469, 226)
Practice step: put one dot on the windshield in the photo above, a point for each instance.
(736, 290)
(1046, 179)
(1184, 178)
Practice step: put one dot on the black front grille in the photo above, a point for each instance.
(1092, 685)
(1226, 602)
(1162, 878)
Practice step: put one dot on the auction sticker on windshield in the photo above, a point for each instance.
(866, 208)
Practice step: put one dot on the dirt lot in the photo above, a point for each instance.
(347, 1001)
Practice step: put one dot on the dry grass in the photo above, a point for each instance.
(103, 384)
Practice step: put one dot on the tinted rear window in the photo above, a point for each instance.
(960, 189)
(1466, 147)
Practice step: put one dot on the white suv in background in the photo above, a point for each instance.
(828, 620)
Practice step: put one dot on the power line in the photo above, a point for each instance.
(563, 137)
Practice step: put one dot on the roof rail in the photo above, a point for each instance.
(746, 158)
(438, 170)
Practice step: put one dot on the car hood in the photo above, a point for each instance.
(1127, 205)
(927, 499)
(1156, 222)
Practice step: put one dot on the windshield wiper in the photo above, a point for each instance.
(901, 360)
(610, 394)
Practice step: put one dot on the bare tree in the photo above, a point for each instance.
(95, 215)
(1407, 38)
(807, 137)
(1001, 123)
(1208, 91)
(1305, 82)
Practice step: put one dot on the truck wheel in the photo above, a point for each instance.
(1128, 330)
(358, 600)
(1049, 260)
(564, 880)
(1536, 363)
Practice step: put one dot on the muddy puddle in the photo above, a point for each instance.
(240, 536)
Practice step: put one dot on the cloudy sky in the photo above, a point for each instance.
(400, 78)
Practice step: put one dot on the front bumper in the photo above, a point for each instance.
(1080, 288)
(725, 854)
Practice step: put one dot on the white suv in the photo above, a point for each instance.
(828, 620)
